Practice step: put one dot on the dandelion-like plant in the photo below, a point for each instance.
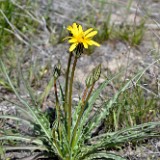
(70, 136)
(80, 37)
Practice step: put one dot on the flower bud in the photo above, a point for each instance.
(93, 76)
(97, 72)
(89, 80)
(57, 70)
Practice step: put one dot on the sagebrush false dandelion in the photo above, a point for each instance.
(80, 38)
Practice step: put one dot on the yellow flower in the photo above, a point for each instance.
(78, 36)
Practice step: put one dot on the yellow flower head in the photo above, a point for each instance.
(78, 36)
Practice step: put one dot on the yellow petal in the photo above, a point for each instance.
(69, 28)
(85, 45)
(87, 31)
(74, 26)
(74, 30)
(72, 47)
(72, 40)
(80, 29)
(89, 42)
(94, 43)
(91, 34)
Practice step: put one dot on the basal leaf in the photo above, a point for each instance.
(104, 155)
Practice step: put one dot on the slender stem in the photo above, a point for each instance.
(70, 98)
(66, 84)
(89, 94)
(56, 93)
(57, 108)
(80, 115)
(56, 144)
(84, 95)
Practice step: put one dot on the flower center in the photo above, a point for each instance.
(80, 37)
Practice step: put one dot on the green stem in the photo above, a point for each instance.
(66, 84)
(56, 144)
(84, 95)
(56, 93)
(70, 99)
(89, 94)
(80, 115)
(57, 109)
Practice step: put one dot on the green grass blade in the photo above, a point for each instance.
(5, 85)
(24, 113)
(30, 148)
(76, 113)
(96, 120)
(94, 97)
(46, 91)
(28, 122)
(104, 155)
(29, 89)
(146, 130)
(91, 101)
(24, 102)
(39, 119)
(22, 138)
(21, 109)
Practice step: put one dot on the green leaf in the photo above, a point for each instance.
(89, 80)
(5, 85)
(28, 122)
(97, 72)
(21, 109)
(2, 151)
(29, 89)
(103, 155)
(146, 130)
(22, 138)
(46, 91)
(32, 111)
(93, 98)
(90, 103)
(76, 113)
(24, 102)
(97, 118)
(30, 148)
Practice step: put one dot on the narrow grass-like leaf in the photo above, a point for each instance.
(46, 91)
(5, 85)
(138, 132)
(30, 148)
(47, 130)
(103, 155)
(146, 129)
(89, 108)
(76, 113)
(29, 89)
(22, 138)
(96, 120)
(24, 102)
(28, 122)
(21, 109)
